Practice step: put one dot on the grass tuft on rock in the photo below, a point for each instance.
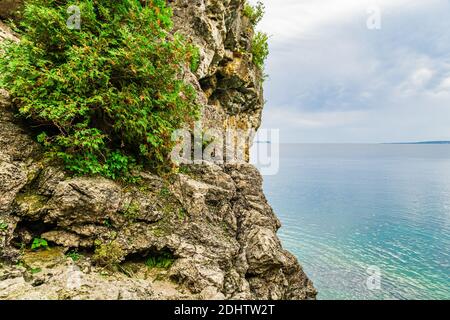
(162, 260)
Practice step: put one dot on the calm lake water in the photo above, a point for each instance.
(347, 208)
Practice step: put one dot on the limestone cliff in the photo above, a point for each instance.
(212, 221)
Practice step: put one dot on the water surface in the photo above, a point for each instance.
(345, 208)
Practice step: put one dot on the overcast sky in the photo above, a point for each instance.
(333, 80)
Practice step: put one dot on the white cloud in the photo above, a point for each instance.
(421, 77)
(288, 19)
(333, 80)
(417, 81)
(444, 86)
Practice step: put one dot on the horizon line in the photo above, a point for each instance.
(413, 143)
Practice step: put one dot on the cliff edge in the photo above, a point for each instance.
(206, 233)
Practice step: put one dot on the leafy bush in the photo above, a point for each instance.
(260, 49)
(108, 96)
(38, 244)
(254, 13)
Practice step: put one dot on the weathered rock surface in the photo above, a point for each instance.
(9, 8)
(56, 277)
(231, 85)
(213, 221)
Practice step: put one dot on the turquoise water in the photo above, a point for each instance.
(345, 208)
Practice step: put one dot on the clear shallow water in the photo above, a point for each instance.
(347, 207)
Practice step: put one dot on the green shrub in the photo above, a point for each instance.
(195, 59)
(260, 49)
(254, 13)
(163, 260)
(164, 192)
(108, 255)
(260, 46)
(39, 244)
(35, 270)
(107, 97)
(74, 255)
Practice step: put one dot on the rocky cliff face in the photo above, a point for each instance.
(211, 224)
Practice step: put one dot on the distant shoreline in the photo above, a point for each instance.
(421, 142)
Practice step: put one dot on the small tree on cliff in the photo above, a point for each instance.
(260, 45)
(105, 94)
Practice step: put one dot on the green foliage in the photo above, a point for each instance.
(260, 46)
(132, 211)
(35, 270)
(182, 214)
(106, 97)
(163, 260)
(260, 49)
(164, 192)
(108, 255)
(3, 226)
(39, 243)
(107, 223)
(195, 59)
(184, 169)
(74, 255)
(254, 13)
